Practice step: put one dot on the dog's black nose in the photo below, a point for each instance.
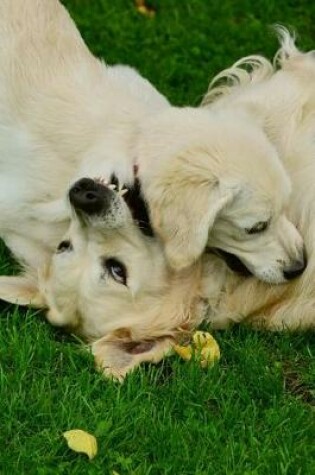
(89, 196)
(295, 269)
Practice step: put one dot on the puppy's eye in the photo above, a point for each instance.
(258, 227)
(64, 246)
(117, 270)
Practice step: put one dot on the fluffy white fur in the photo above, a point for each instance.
(281, 97)
(65, 115)
(211, 184)
(212, 176)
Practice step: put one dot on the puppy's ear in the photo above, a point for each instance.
(117, 354)
(21, 290)
(183, 218)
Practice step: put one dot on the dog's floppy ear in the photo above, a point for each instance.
(21, 290)
(117, 354)
(183, 216)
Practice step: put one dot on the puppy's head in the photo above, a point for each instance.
(110, 282)
(216, 181)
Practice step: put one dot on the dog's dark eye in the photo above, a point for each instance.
(258, 227)
(64, 246)
(117, 270)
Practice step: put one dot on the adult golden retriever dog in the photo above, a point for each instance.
(71, 129)
(68, 124)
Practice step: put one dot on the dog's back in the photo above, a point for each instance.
(59, 107)
(53, 87)
(39, 43)
(39, 46)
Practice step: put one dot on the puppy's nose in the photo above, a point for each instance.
(90, 196)
(295, 269)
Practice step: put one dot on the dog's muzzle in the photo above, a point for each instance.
(90, 197)
(236, 265)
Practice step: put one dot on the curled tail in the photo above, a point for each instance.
(287, 50)
(252, 69)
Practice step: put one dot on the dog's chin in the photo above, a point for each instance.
(232, 261)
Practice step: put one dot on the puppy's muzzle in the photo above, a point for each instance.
(296, 268)
(232, 261)
(90, 197)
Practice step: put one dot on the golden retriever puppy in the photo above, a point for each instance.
(214, 178)
(282, 99)
(270, 93)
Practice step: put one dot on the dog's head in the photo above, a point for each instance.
(109, 281)
(215, 181)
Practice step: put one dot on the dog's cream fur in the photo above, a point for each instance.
(66, 115)
(211, 184)
(281, 97)
(210, 178)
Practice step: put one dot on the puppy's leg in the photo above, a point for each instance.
(105, 159)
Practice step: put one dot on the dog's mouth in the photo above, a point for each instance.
(232, 261)
(138, 208)
(92, 198)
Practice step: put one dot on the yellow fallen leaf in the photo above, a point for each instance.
(200, 339)
(81, 441)
(208, 348)
(209, 355)
(184, 352)
(205, 348)
(144, 9)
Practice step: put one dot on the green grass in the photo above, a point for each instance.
(253, 413)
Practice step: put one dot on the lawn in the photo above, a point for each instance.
(251, 414)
